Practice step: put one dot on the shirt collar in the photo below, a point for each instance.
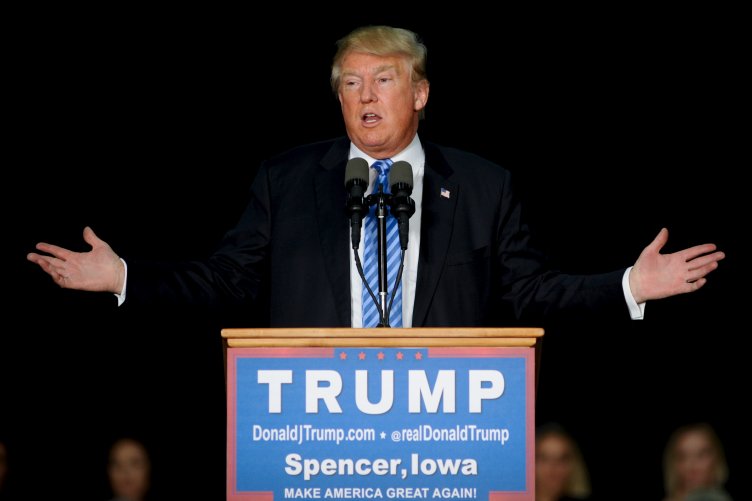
(413, 154)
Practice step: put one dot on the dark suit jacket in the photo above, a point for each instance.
(290, 248)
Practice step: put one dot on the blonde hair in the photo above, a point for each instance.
(670, 478)
(578, 485)
(381, 41)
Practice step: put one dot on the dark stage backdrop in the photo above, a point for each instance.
(150, 129)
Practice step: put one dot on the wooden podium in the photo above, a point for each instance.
(398, 414)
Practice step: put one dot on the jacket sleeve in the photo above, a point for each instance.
(234, 274)
(534, 290)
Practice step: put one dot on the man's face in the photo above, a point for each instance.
(380, 103)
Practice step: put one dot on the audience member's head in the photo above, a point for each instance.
(129, 470)
(694, 464)
(560, 471)
(3, 464)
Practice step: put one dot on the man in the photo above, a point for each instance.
(469, 250)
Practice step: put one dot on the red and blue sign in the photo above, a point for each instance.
(380, 423)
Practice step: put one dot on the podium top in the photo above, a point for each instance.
(415, 337)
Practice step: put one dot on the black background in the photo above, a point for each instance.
(149, 127)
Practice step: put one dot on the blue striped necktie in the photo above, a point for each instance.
(371, 258)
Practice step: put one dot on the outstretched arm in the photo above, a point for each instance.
(100, 269)
(656, 275)
(232, 275)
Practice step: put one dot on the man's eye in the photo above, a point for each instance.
(383, 80)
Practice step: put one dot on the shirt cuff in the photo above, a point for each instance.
(636, 311)
(121, 297)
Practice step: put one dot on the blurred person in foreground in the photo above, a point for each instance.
(3, 469)
(694, 465)
(129, 470)
(560, 471)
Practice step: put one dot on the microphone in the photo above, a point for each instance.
(403, 207)
(356, 184)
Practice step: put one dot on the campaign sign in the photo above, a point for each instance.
(380, 423)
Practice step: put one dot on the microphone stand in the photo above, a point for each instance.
(381, 215)
(402, 207)
(383, 200)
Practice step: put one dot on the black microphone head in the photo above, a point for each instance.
(356, 170)
(401, 173)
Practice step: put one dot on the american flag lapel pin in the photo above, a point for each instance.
(446, 193)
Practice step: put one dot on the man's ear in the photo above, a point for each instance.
(421, 94)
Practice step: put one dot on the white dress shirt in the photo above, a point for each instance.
(416, 157)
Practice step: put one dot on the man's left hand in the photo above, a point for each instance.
(656, 275)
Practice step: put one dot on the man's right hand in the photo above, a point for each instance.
(100, 269)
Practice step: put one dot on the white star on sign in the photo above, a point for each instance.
(383, 435)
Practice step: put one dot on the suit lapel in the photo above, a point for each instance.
(332, 225)
(437, 222)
